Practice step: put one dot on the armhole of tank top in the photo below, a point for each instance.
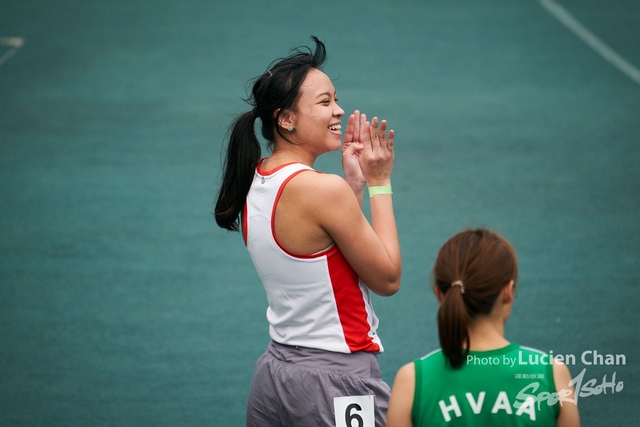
(416, 391)
(327, 251)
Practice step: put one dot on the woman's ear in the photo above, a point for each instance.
(509, 292)
(438, 293)
(286, 120)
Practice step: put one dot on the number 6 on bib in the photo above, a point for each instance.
(354, 411)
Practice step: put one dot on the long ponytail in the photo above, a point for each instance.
(453, 327)
(243, 154)
(470, 271)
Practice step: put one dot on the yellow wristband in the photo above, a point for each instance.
(380, 189)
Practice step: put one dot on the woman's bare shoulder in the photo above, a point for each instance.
(319, 184)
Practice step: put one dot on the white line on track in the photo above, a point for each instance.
(14, 42)
(591, 39)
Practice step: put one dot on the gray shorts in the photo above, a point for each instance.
(296, 386)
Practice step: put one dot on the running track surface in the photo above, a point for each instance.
(121, 302)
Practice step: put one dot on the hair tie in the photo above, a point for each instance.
(269, 73)
(255, 113)
(458, 283)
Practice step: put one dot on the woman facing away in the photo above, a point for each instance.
(314, 250)
(478, 378)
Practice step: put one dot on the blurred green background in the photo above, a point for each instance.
(122, 303)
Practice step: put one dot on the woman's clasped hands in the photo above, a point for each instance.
(367, 151)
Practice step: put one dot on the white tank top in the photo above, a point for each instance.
(316, 300)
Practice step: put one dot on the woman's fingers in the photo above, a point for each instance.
(382, 134)
(376, 161)
(374, 135)
(356, 123)
(375, 140)
(350, 133)
(379, 137)
(386, 139)
(364, 133)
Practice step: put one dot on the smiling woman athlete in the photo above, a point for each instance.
(315, 252)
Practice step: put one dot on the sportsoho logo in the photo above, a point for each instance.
(583, 386)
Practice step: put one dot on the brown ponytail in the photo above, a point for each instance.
(453, 326)
(480, 263)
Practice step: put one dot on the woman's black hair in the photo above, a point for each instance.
(274, 93)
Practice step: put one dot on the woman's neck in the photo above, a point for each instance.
(282, 156)
(487, 333)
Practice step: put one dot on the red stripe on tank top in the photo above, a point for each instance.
(351, 307)
(245, 224)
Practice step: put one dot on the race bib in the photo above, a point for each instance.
(354, 411)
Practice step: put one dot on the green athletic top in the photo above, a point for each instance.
(510, 386)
